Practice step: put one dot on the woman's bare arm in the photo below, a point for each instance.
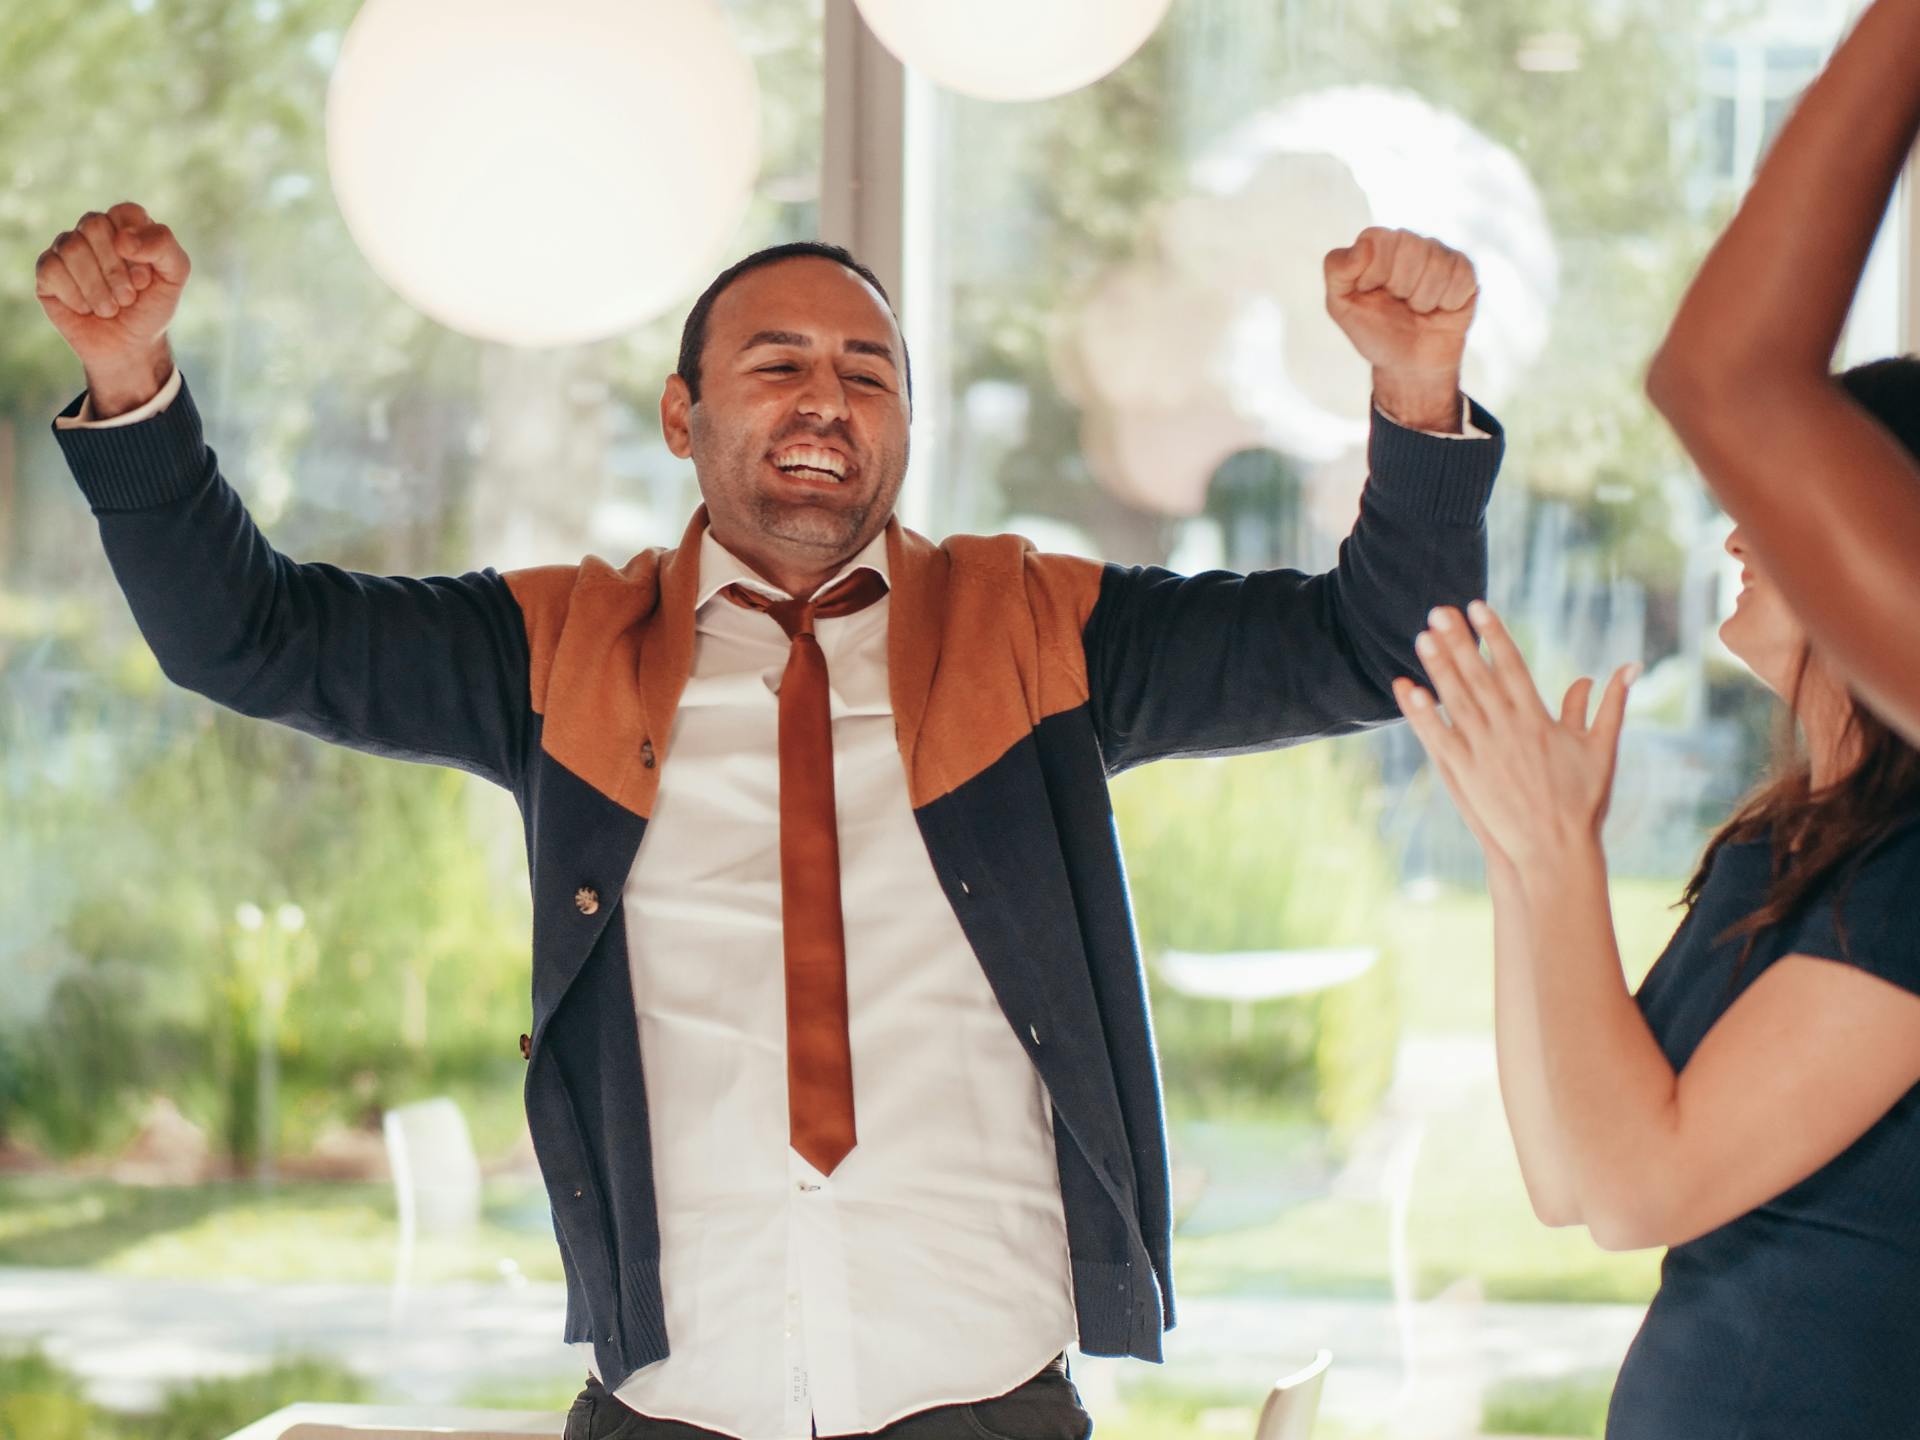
(1800, 1066)
(1537, 1138)
(1830, 501)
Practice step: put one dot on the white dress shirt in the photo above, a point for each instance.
(931, 1267)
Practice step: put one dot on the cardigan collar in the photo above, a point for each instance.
(916, 572)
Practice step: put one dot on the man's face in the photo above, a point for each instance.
(799, 439)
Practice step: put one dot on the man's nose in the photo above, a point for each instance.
(824, 395)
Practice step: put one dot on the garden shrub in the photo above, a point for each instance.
(1265, 852)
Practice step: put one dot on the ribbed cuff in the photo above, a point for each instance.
(1118, 1310)
(134, 467)
(643, 1313)
(1444, 479)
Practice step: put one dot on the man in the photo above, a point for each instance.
(841, 1075)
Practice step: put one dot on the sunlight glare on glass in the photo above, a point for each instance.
(542, 174)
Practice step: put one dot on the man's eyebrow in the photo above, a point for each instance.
(778, 337)
(873, 347)
(805, 342)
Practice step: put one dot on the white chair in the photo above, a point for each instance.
(1294, 1402)
(436, 1181)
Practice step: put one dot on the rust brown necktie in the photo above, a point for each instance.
(819, 1054)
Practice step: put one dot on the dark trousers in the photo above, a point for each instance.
(1047, 1407)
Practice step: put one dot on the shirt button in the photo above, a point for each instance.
(586, 900)
(646, 753)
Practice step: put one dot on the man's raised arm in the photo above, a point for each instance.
(433, 670)
(1217, 663)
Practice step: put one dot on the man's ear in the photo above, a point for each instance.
(676, 408)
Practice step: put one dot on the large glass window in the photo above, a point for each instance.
(1134, 364)
(227, 952)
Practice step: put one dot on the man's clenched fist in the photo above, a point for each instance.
(110, 286)
(1405, 301)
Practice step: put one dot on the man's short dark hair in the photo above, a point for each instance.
(693, 335)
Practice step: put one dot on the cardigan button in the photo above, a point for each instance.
(586, 900)
(646, 753)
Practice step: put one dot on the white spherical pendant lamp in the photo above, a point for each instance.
(542, 172)
(1013, 49)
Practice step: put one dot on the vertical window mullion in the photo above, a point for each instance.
(863, 145)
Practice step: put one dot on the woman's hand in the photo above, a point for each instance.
(1527, 783)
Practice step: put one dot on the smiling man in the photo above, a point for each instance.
(840, 1073)
(792, 399)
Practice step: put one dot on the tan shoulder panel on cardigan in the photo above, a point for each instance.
(984, 644)
(587, 629)
(543, 594)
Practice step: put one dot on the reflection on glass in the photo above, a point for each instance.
(1124, 290)
(225, 951)
(1129, 281)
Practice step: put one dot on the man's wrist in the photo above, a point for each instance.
(1420, 400)
(123, 387)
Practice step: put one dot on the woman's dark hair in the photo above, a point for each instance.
(1818, 835)
(693, 334)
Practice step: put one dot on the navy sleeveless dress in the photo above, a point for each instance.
(1800, 1320)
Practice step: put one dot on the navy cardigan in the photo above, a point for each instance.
(1020, 682)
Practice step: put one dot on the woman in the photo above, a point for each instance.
(1829, 502)
(1754, 1106)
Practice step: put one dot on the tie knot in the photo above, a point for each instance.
(796, 617)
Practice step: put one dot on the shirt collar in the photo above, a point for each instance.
(720, 567)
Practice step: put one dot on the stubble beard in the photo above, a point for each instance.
(820, 532)
(819, 529)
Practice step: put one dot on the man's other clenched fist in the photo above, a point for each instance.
(110, 286)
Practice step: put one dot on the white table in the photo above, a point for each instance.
(1244, 976)
(401, 1422)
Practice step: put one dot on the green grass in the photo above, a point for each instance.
(1574, 1405)
(41, 1401)
(552, 1396)
(1446, 974)
(292, 1233)
(1151, 1409)
(1271, 1226)
(1469, 1218)
(1470, 1215)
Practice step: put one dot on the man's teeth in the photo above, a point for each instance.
(812, 463)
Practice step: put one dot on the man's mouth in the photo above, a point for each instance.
(812, 462)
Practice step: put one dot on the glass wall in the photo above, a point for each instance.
(225, 951)
(1123, 292)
